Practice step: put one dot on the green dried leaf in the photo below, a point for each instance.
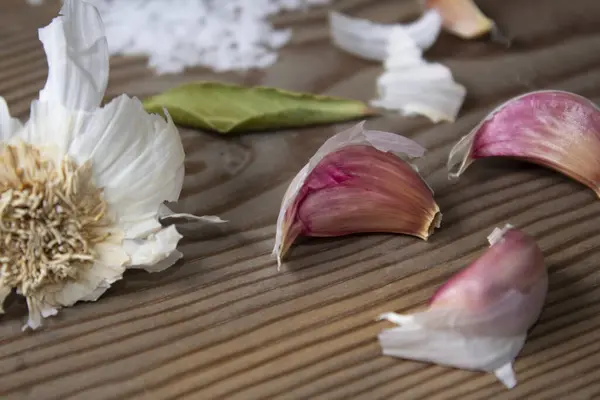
(227, 108)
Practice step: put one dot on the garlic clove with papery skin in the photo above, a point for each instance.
(461, 17)
(357, 182)
(552, 128)
(479, 319)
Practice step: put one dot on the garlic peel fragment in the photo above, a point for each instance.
(421, 343)
(77, 53)
(369, 40)
(409, 84)
(414, 86)
(213, 219)
(498, 233)
(165, 214)
(551, 128)
(353, 177)
(8, 124)
(479, 319)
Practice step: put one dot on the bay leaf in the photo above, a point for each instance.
(228, 108)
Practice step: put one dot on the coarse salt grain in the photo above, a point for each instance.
(224, 35)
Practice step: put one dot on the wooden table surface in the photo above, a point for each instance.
(225, 324)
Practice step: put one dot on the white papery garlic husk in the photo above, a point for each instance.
(81, 185)
(409, 85)
(369, 40)
(413, 86)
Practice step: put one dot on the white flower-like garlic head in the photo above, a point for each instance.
(81, 186)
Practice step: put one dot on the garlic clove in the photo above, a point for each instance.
(479, 319)
(361, 189)
(512, 261)
(555, 129)
(461, 17)
(358, 181)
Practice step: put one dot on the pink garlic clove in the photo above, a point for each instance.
(555, 129)
(461, 17)
(479, 319)
(356, 183)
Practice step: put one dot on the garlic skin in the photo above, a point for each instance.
(81, 186)
(413, 86)
(358, 181)
(410, 85)
(479, 319)
(461, 17)
(551, 128)
(369, 40)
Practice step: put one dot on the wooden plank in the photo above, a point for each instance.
(225, 324)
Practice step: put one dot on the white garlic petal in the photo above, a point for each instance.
(147, 253)
(209, 219)
(165, 213)
(414, 86)
(52, 128)
(137, 157)
(359, 37)
(8, 124)
(369, 40)
(163, 264)
(410, 84)
(34, 319)
(140, 226)
(77, 55)
(97, 292)
(94, 281)
(88, 286)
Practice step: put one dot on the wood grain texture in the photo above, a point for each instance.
(226, 324)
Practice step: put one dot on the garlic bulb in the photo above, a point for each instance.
(81, 185)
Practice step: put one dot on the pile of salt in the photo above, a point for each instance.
(223, 35)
